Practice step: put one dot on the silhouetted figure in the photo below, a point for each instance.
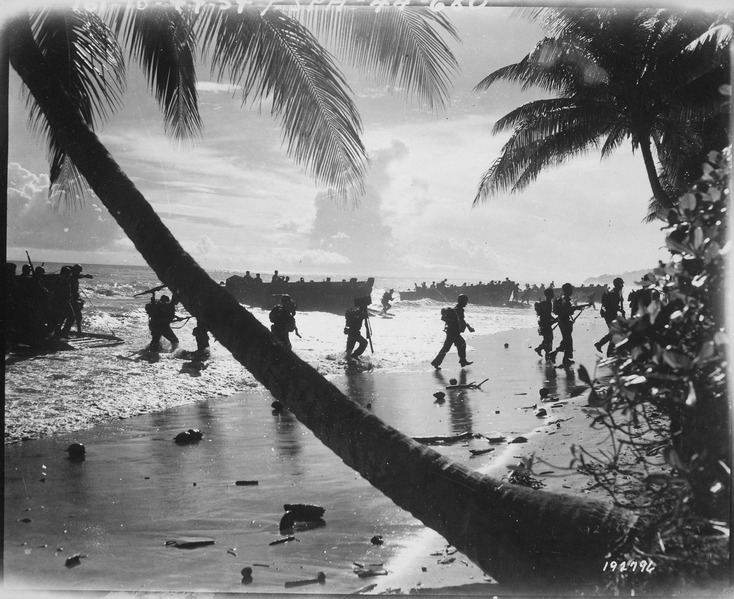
(564, 310)
(77, 303)
(161, 313)
(454, 327)
(544, 310)
(354, 317)
(61, 310)
(640, 299)
(386, 299)
(283, 320)
(202, 339)
(612, 304)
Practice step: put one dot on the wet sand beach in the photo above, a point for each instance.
(137, 489)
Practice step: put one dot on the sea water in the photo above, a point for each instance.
(71, 390)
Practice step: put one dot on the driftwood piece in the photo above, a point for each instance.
(448, 440)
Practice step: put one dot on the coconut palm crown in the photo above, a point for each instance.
(649, 76)
(268, 54)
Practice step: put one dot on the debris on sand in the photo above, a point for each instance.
(76, 452)
(189, 542)
(444, 440)
(320, 579)
(284, 540)
(365, 571)
(193, 435)
(74, 560)
(377, 540)
(301, 516)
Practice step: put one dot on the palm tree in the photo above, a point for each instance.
(650, 76)
(515, 533)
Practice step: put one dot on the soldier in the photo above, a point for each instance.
(612, 304)
(354, 318)
(77, 303)
(544, 310)
(454, 327)
(386, 299)
(564, 310)
(161, 314)
(202, 340)
(284, 322)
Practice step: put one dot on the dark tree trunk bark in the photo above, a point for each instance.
(652, 174)
(513, 533)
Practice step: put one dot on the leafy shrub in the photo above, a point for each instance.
(666, 403)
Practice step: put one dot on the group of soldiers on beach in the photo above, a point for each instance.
(40, 307)
(551, 311)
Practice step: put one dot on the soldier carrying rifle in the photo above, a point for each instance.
(354, 318)
(564, 309)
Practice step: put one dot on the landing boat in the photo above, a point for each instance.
(309, 296)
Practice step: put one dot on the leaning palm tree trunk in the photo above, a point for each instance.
(513, 533)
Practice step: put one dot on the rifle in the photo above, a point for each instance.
(582, 306)
(368, 330)
(30, 261)
(153, 290)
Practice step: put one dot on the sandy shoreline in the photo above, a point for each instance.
(136, 487)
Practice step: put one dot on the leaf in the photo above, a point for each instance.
(677, 246)
(596, 401)
(691, 399)
(673, 459)
(584, 375)
(657, 480)
(634, 379)
(687, 201)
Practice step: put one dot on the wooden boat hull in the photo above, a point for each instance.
(322, 296)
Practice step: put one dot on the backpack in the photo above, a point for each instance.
(610, 301)
(275, 314)
(447, 314)
(353, 318)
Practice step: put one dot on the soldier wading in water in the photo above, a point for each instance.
(455, 326)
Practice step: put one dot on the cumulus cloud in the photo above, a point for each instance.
(359, 233)
(35, 222)
(214, 87)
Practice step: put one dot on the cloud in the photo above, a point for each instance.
(360, 232)
(35, 222)
(216, 88)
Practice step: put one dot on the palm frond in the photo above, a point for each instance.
(162, 40)
(272, 55)
(554, 65)
(70, 188)
(401, 47)
(615, 137)
(80, 49)
(551, 132)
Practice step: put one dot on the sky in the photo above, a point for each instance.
(236, 201)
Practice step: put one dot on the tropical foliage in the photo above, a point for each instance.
(652, 77)
(666, 406)
(268, 54)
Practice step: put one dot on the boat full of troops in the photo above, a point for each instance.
(324, 296)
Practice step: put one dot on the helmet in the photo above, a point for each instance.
(548, 293)
(165, 298)
(567, 288)
(77, 268)
(618, 281)
(462, 299)
(285, 299)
